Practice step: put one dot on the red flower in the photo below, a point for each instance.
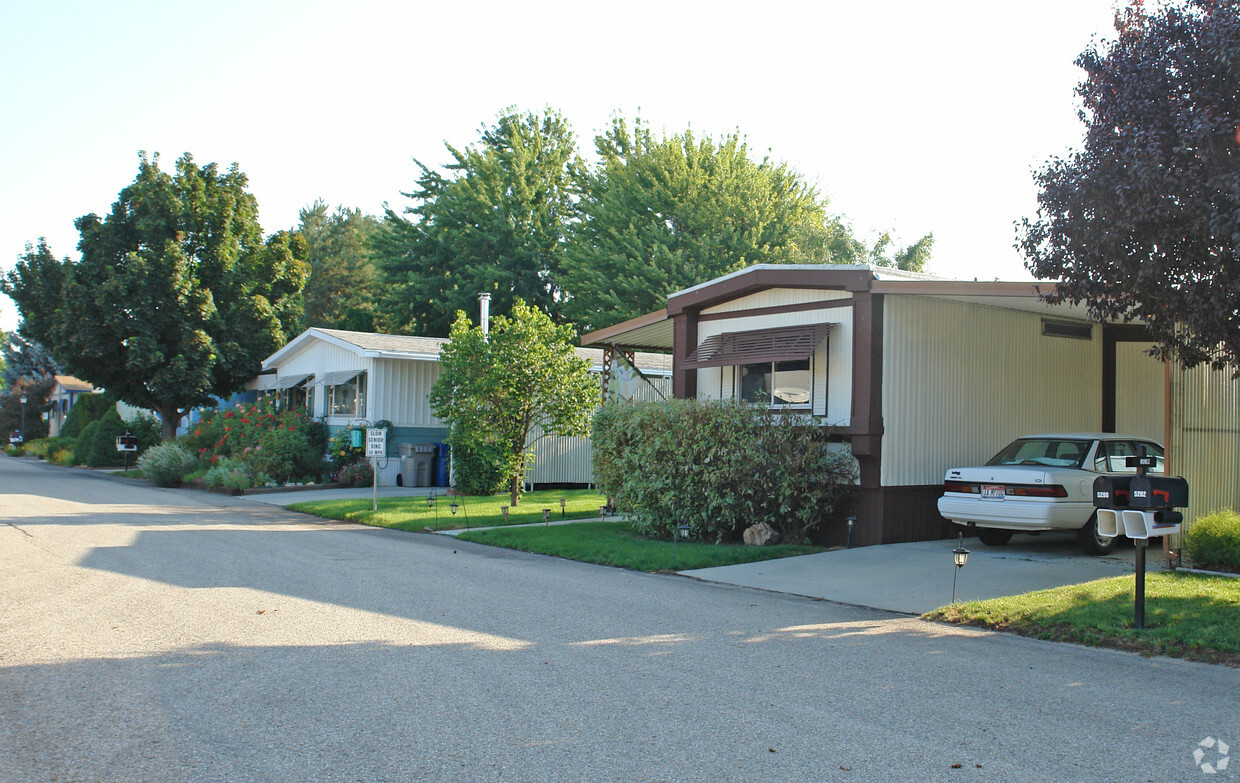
(247, 421)
(227, 429)
(197, 432)
(228, 415)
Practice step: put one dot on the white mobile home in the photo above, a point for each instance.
(915, 374)
(356, 379)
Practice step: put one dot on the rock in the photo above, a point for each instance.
(760, 534)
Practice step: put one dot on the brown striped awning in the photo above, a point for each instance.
(787, 343)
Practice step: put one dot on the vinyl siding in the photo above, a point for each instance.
(962, 380)
(402, 390)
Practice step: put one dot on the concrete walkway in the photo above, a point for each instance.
(917, 577)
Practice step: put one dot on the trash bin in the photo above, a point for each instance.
(443, 461)
(416, 464)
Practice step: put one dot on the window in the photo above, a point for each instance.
(1112, 456)
(347, 398)
(297, 397)
(787, 384)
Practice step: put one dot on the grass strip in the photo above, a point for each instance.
(1187, 615)
(617, 544)
(413, 513)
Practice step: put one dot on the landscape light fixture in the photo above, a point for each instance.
(602, 513)
(504, 510)
(454, 506)
(430, 503)
(23, 429)
(563, 503)
(851, 521)
(546, 516)
(682, 531)
(960, 556)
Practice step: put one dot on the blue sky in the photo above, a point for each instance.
(909, 116)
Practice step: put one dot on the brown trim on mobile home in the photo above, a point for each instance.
(777, 309)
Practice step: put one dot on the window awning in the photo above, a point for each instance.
(292, 381)
(338, 377)
(786, 343)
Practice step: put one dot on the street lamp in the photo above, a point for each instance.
(851, 521)
(960, 556)
(23, 399)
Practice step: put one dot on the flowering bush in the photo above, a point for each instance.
(283, 444)
(358, 474)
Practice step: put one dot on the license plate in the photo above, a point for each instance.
(993, 492)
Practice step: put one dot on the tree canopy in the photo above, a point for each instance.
(494, 222)
(498, 390)
(176, 296)
(343, 287)
(1143, 221)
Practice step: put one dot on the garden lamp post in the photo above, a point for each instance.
(602, 513)
(546, 516)
(23, 430)
(563, 504)
(682, 531)
(851, 521)
(453, 506)
(504, 510)
(430, 504)
(960, 556)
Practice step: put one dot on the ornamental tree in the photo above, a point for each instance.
(497, 390)
(176, 297)
(1143, 221)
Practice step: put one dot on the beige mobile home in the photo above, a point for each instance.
(915, 374)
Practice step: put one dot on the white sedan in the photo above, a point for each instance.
(1041, 482)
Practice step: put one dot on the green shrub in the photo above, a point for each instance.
(13, 451)
(43, 448)
(62, 457)
(231, 474)
(86, 408)
(96, 447)
(479, 467)
(1214, 540)
(167, 464)
(719, 467)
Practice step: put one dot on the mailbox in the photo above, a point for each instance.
(1111, 491)
(15, 438)
(1157, 492)
(127, 442)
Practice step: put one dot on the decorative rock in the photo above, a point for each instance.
(760, 534)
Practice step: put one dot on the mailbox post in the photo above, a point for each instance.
(127, 444)
(1140, 507)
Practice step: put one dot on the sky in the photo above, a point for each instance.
(909, 117)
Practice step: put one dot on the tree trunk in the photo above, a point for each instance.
(171, 417)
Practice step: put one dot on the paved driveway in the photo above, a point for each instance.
(915, 578)
(154, 635)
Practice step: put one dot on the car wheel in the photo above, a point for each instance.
(992, 536)
(1091, 542)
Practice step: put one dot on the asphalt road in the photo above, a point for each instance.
(158, 635)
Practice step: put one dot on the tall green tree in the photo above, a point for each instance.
(495, 390)
(343, 287)
(176, 297)
(24, 359)
(493, 220)
(662, 213)
(1142, 222)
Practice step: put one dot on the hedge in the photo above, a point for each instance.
(719, 467)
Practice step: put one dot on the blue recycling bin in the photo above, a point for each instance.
(443, 461)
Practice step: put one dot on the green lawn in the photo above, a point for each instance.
(617, 544)
(1186, 615)
(412, 513)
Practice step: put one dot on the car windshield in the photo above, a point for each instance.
(1049, 452)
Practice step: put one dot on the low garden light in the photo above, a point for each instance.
(960, 556)
(682, 531)
(851, 521)
(23, 429)
(602, 513)
(504, 510)
(453, 506)
(546, 516)
(430, 503)
(563, 505)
